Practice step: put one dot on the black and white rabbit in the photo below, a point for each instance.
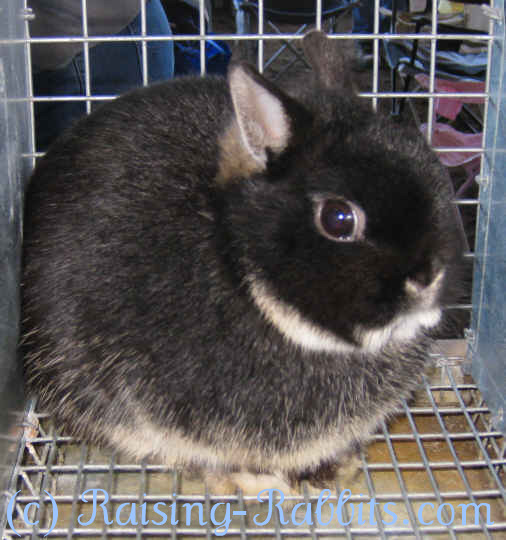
(224, 273)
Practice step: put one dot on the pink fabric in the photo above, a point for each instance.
(448, 137)
(444, 136)
(450, 107)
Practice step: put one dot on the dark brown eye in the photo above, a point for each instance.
(340, 220)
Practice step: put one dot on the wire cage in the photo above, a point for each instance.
(437, 470)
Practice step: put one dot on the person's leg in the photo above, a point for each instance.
(53, 117)
(115, 67)
(160, 53)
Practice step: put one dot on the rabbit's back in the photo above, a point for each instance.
(123, 192)
(117, 231)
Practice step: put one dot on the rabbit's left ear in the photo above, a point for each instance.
(265, 122)
(260, 112)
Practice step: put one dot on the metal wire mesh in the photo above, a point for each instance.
(441, 452)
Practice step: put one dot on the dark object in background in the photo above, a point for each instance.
(184, 20)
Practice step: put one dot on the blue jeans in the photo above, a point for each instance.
(115, 67)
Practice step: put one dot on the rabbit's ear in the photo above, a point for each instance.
(328, 61)
(261, 113)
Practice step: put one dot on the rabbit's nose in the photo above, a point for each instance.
(424, 286)
(423, 276)
(425, 273)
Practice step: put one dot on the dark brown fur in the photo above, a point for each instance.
(139, 269)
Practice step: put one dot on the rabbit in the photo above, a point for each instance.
(223, 273)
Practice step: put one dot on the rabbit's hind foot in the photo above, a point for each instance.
(258, 485)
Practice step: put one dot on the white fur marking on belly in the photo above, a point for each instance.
(176, 450)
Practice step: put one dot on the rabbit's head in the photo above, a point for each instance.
(339, 223)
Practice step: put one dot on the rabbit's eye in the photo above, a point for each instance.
(340, 220)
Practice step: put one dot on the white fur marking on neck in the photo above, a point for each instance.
(311, 337)
(292, 324)
(402, 328)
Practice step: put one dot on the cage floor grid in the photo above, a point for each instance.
(436, 471)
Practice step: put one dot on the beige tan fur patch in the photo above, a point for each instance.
(235, 162)
(176, 450)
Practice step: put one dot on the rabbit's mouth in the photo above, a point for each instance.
(422, 314)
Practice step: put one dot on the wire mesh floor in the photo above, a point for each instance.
(437, 471)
